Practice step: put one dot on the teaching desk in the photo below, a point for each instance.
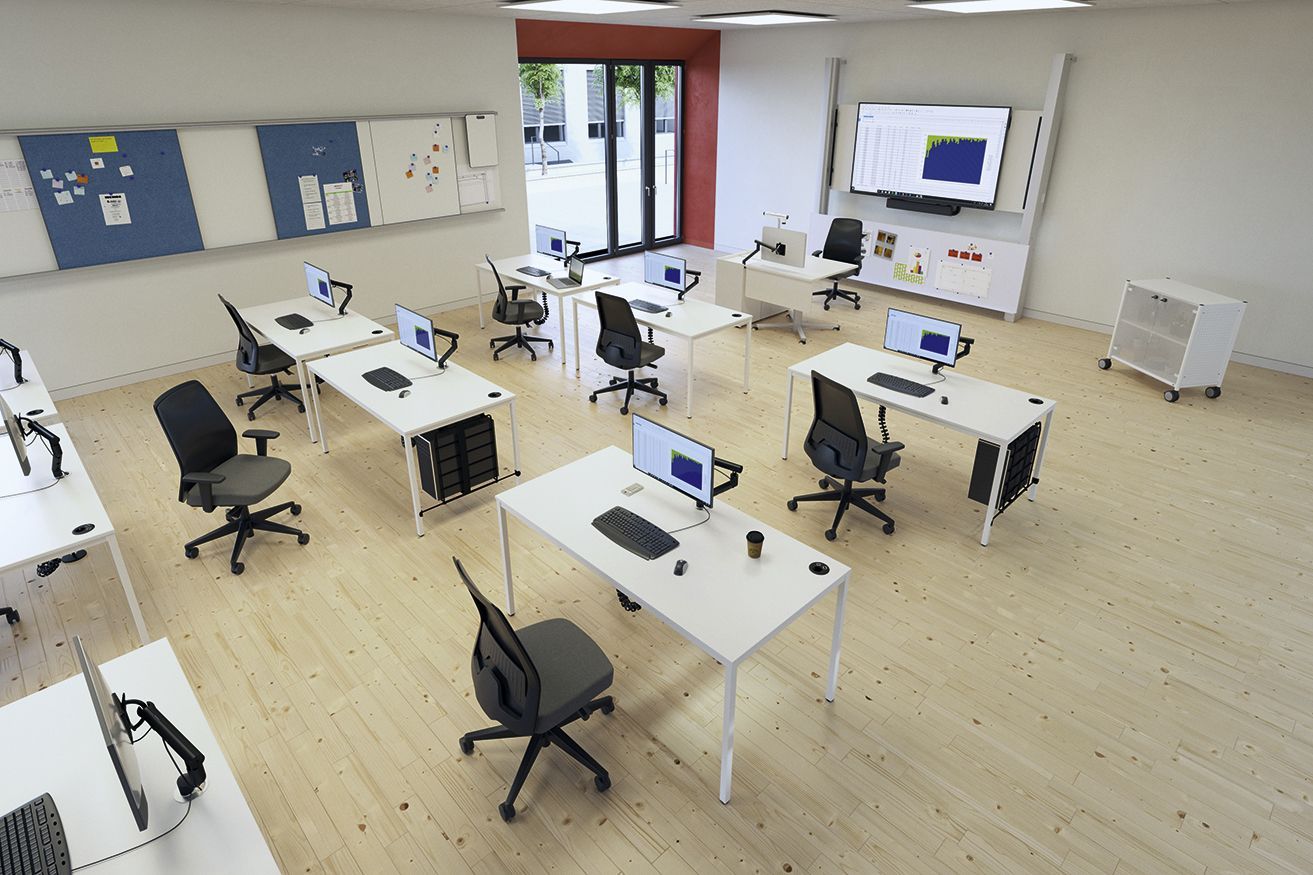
(436, 398)
(984, 410)
(726, 604)
(39, 516)
(30, 398)
(330, 334)
(509, 270)
(689, 320)
(51, 743)
(746, 287)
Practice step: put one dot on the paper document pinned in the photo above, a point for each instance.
(314, 216)
(63, 198)
(114, 207)
(309, 189)
(341, 203)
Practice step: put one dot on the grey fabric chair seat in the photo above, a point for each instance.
(273, 361)
(520, 312)
(246, 481)
(647, 353)
(572, 667)
(875, 448)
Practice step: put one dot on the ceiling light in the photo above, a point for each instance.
(588, 7)
(998, 5)
(767, 17)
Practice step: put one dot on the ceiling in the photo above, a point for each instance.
(686, 14)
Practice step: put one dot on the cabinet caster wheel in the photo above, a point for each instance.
(295, 509)
(496, 357)
(1171, 395)
(791, 504)
(888, 528)
(237, 568)
(602, 783)
(191, 552)
(831, 534)
(592, 398)
(241, 402)
(13, 617)
(663, 402)
(466, 746)
(624, 411)
(1104, 364)
(507, 811)
(250, 415)
(1213, 392)
(303, 538)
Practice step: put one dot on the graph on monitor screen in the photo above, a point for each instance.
(686, 468)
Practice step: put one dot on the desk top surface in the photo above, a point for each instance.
(508, 268)
(689, 319)
(52, 744)
(330, 332)
(436, 397)
(30, 395)
(975, 406)
(814, 268)
(726, 603)
(39, 523)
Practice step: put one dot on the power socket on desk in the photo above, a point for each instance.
(632, 489)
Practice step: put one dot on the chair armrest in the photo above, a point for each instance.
(514, 291)
(891, 447)
(206, 481)
(262, 437)
(817, 253)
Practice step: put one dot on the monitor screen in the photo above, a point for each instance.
(416, 332)
(575, 267)
(931, 339)
(318, 284)
(118, 737)
(549, 241)
(677, 461)
(15, 431)
(664, 270)
(941, 154)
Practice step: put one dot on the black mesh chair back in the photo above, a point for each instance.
(844, 242)
(506, 683)
(499, 306)
(836, 443)
(248, 348)
(198, 430)
(619, 342)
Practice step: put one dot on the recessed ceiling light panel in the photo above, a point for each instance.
(969, 6)
(766, 18)
(588, 7)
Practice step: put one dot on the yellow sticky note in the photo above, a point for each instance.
(104, 144)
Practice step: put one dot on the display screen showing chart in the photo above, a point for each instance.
(922, 337)
(945, 154)
(416, 332)
(675, 460)
(664, 270)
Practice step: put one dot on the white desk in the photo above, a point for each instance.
(38, 525)
(508, 268)
(434, 401)
(52, 744)
(778, 285)
(690, 320)
(984, 410)
(329, 334)
(30, 398)
(725, 603)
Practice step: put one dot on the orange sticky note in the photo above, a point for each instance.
(436, 148)
(409, 174)
(82, 177)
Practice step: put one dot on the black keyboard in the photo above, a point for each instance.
(386, 379)
(533, 271)
(32, 840)
(900, 384)
(294, 321)
(647, 306)
(634, 533)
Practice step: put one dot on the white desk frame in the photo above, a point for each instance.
(31, 395)
(790, 288)
(434, 401)
(38, 525)
(976, 407)
(61, 751)
(330, 334)
(762, 595)
(508, 268)
(690, 320)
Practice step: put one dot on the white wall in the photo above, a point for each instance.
(1185, 149)
(167, 61)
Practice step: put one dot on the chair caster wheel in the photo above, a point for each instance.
(191, 552)
(857, 306)
(466, 746)
(607, 708)
(655, 383)
(250, 415)
(624, 411)
(295, 509)
(496, 357)
(492, 344)
(303, 539)
(837, 327)
(300, 408)
(237, 568)
(823, 483)
(533, 357)
(791, 504)
(613, 381)
(241, 402)
(1104, 364)
(592, 398)
(602, 783)
(825, 306)
(1171, 396)
(1212, 391)
(551, 345)
(13, 618)
(831, 534)
(507, 811)
(664, 402)
(888, 528)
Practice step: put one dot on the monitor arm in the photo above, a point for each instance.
(734, 469)
(31, 426)
(453, 337)
(347, 287)
(16, 354)
(192, 779)
(697, 277)
(576, 244)
(778, 249)
(963, 352)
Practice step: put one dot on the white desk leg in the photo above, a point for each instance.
(478, 292)
(307, 396)
(574, 309)
(689, 387)
(128, 593)
(840, 601)
(788, 415)
(1039, 456)
(506, 558)
(560, 318)
(414, 483)
(515, 440)
(727, 732)
(747, 356)
(995, 488)
(319, 418)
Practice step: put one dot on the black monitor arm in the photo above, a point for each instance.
(697, 277)
(734, 469)
(192, 779)
(962, 353)
(778, 249)
(576, 244)
(453, 337)
(16, 354)
(31, 426)
(341, 311)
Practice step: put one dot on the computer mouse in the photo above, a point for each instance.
(680, 567)
(667, 314)
(405, 393)
(943, 399)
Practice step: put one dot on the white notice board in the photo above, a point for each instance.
(481, 134)
(416, 165)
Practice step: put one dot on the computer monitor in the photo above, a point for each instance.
(922, 337)
(112, 717)
(575, 268)
(666, 271)
(318, 284)
(681, 463)
(416, 332)
(549, 241)
(15, 431)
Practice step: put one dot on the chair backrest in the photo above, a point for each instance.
(844, 242)
(248, 348)
(836, 443)
(619, 341)
(506, 683)
(198, 430)
(498, 306)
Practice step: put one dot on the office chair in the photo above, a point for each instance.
(260, 361)
(534, 683)
(509, 310)
(213, 474)
(843, 243)
(838, 446)
(621, 345)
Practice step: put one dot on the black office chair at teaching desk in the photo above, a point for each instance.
(534, 682)
(508, 309)
(839, 448)
(843, 243)
(620, 344)
(259, 360)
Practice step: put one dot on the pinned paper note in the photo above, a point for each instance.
(97, 163)
(314, 216)
(429, 188)
(437, 148)
(126, 171)
(63, 198)
(103, 144)
(47, 174)
(82, 178)
(309, 186)
(56, 183)
(428, 160)
(341, 203)
(79, 190)
(70, 175)
(410, 174)
(414, 157)
(114, 207)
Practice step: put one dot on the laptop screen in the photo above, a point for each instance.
(576, 269)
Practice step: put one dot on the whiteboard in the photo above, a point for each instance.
(481, 136)
(416, 166)
(223, 168)
(24, 245)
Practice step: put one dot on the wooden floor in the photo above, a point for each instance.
(1122, 682)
